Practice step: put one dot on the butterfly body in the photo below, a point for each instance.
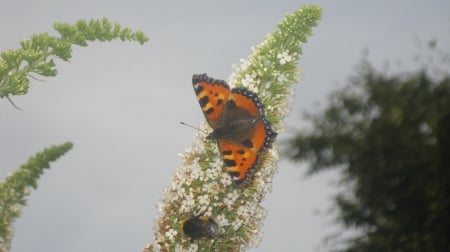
(239, 126)
(235, 130)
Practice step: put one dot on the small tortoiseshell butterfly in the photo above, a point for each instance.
(200, 226)
(238, 123)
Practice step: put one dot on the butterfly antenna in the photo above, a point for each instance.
(190, 126)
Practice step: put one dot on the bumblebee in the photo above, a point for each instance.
(199, 226)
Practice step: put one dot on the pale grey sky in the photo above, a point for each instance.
(121, 103)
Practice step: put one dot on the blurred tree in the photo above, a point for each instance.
(389, 136)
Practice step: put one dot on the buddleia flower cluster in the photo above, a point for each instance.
(201, 190)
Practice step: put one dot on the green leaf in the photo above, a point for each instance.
(37, 54)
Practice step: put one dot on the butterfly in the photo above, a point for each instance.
(200, 226)
(239, 126)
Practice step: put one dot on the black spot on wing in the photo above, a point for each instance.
(229, 162)
(203, 101)
(198, 89)
(227, 152)
(209, 111)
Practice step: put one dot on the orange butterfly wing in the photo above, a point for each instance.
(262, 134)
(238, 159)
(247, 101)
(212, 95)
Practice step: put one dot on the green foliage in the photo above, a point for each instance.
(389, 135)
(36, 57)
(37, 54)
(16, 187)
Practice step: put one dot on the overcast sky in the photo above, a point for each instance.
(121, 103)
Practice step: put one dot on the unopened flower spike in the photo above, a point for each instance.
(224, 176)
